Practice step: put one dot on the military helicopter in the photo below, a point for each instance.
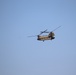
(50, 35)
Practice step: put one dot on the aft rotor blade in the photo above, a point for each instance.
(56, 28)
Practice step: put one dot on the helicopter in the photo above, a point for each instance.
(50, 35)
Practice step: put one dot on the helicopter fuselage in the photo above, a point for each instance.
(50, 36)
(42, 38)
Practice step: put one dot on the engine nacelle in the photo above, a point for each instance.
(51, 34)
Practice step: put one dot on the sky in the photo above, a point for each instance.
(20, 55)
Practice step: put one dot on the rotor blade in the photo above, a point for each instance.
(43, 32)
(56, 28)
(33, 36)
(46, 32)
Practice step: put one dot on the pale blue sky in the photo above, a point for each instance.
(20, 55)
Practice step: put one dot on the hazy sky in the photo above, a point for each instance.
(20, 55)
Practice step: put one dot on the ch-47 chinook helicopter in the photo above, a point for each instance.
(50, 35)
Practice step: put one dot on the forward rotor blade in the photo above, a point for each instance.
(43, 31)
(33, 36)
(46, 32)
